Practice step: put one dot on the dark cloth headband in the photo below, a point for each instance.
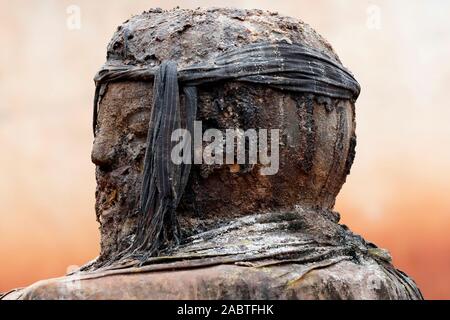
(290, 67)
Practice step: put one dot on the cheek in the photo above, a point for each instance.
(123, 145)
(134, 151)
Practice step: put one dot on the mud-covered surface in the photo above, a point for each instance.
(193, 36)
(315, 131)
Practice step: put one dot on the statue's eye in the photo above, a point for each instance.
(138, 122)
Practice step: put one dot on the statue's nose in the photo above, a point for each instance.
(103, 151)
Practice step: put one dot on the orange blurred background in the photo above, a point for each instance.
(397, 195)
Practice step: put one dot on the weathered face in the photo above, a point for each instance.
(118, 151)
(315, 154)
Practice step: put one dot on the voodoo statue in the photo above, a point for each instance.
(207, 222)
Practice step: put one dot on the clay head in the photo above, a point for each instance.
(316, 133)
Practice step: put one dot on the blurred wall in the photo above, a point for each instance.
(396, 196)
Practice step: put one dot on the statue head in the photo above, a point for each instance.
(316, 132)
